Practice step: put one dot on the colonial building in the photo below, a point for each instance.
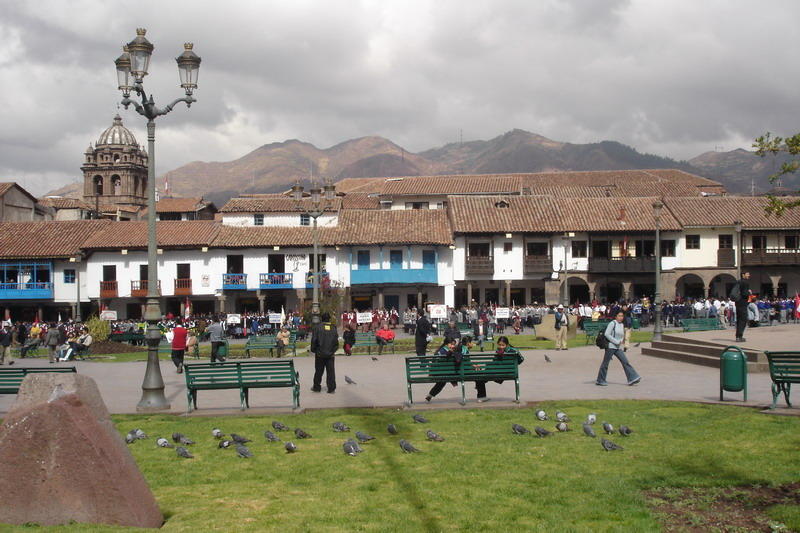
(17, 204)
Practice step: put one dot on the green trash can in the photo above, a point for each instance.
(222, 351)
(733, 371)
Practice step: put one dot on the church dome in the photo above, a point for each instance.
(117, 135)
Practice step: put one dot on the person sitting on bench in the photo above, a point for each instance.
(384, 336)
(281, 340)
(76, 347)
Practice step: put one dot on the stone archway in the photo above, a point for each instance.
(610, 291)
(721, 285)
(578, 290)
(690, 286)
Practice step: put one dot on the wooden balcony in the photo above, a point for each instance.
(622, 264)
(726, 258)
(108, 289)
(479, 265)
(183, 287)
(538, 263)
(770, 256)
(139, 288)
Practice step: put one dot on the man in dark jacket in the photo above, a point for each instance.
(421, 335)
(740, 294)
(324, 343)
(5, 343)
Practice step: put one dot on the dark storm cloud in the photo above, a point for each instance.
(674, 78)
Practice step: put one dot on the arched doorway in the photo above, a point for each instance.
(721, 286)
(116, 183)
(690, 286)
(98, 185)
(610, 291)
(578, 290)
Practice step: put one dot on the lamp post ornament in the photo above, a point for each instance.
(657, 328)
(132, 67)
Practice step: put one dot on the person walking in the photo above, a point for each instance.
(422, 335)
(5, 343)
(740, 294)
(52, 339)
(179, 334)
(324, 343)
(615, 335)
(562, 327)
(216, 334)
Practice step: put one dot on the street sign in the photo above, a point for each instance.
(274, 318)
(438, 310)
(364, 318)
(502, 312)
(233, 319)
(108, 314)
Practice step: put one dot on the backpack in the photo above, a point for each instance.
(601, 341)
(736, 293)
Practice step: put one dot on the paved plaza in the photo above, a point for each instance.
(381, 383)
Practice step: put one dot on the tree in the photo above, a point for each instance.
(769, 145)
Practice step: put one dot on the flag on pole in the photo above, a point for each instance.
(166, 186)
(188, 308)
(283, 315)
(797, 305)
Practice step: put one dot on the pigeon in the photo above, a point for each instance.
(561, 416)
(349, 380)
(183, 452)
(520, 430)
(277, 426)
(139, 433)
(547, 359)
(591, 418)
(176, 437)
(637, 344)
(609, 446)
(363, 437)
(374, 358)
(588, 430)
(407, 447)
(130, 438)
(186, 441)
(541, 431)
(391, 428)
(349, 448)
(225, 443)
(271, 437)
(432, 435)
(339, 426)
(243, 451)
(300, 434)
(163, 443)
(217, 433)
(625, 431)
(608, 428)
(419, 419)
(541, 415)
(239, 439)
(290, 447)
(356, 446)
(562, 426)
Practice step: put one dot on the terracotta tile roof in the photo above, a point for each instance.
(453, 184)
(170, 234)
(266, 203)
(394, 227)
(180, 205)
(612, 215)
(50, 239)
(726, 210)
(483, 214)
(360, 200)
(268, 236)
(365, 185)
(61, 202)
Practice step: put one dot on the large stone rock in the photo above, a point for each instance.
(547, 329)
(62, 460)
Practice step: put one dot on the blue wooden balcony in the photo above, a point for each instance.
(26, 291)
(276, 280)
(234, 282)
(393, 275)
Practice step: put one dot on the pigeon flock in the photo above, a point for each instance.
(352, 446)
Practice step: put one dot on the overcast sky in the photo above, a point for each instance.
(670, 77)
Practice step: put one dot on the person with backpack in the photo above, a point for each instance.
(562, 327)
(612, 339)
(740, 294)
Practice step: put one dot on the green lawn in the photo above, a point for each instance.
(482, 478)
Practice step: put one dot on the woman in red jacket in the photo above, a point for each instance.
(384, 336)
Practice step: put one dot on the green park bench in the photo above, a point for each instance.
(11, 378)
(465, 329)
(592, 329)
(700, 324)
(369, 340)
(784, 369)
(242, 375)
(34, 351)
(128, 337)
(260, 342)
(474, 367)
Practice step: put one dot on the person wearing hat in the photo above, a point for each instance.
(562, 326)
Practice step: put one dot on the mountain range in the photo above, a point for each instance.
(274, 167)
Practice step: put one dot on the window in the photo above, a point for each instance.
(726, 241)
(791, 242)
(579, 248)
(645, 248)
(183, 270)
(305, 220)
(537, 248)
(386, 204)
(69, 275)
(601, 249)
(759, 242)
(693, 242)
(417, 205)
(508, 247)
(478, 249)
(363, 259)
(668, 248)
(258, 219)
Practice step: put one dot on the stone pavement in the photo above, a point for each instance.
(381, 383)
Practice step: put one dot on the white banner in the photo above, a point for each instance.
(108, 314)
(233, 319)
(437, 310)
(364, 318)
(502, 312)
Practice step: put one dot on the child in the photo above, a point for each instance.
(349, 338)
(447, 349)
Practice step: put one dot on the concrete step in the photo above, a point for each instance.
(703, 349)
(699, 359)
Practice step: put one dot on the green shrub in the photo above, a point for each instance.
(98, 329)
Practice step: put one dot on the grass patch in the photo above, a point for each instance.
(481, 478)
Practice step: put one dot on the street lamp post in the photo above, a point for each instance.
(319, 200)
(132, 67)
(657, 329)
(738, 225)
(565, 297)
(77, 260)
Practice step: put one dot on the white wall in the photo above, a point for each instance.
(508, 265)
(706, 256)
(67, 292)
(277, 219)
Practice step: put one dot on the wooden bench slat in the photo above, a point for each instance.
(242, 375)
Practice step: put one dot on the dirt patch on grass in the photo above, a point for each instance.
(111, 347)
(724, 509)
